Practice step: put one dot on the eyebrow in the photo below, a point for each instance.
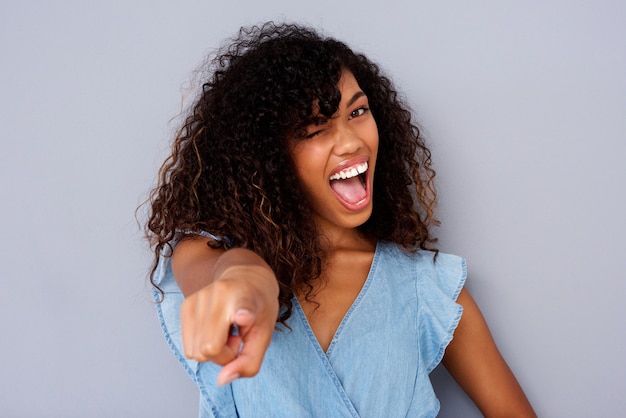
(354, 98)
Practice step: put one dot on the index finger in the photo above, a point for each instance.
(205, 332)
(249, 360)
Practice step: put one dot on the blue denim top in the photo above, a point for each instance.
(377, 364)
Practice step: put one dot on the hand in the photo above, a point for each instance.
(245, 296)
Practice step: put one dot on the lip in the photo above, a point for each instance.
(354, 207)
(349, 163)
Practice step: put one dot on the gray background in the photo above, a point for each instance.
(524, 104)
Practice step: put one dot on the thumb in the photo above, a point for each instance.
(241, 323)
(243, 318)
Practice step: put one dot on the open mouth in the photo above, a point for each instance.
(350, 184)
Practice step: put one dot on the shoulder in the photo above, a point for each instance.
(425, 263)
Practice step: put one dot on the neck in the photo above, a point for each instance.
(333, 240)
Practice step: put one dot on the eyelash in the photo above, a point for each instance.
(313, 134)
(359, 112)
(354, 114)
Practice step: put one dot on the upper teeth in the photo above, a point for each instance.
(350, 172)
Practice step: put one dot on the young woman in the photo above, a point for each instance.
(291, 228)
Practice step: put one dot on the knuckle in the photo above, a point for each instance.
(220, 286)
(209, 349)
(251, 368)
(194, 355)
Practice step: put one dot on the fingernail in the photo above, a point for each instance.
(242, 312)
(227, 379)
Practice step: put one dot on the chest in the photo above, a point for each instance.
(336, 292)
(368, 367)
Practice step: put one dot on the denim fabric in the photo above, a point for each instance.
(377, 364)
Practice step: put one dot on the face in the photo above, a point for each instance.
(335, 161)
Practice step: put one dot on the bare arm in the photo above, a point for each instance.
(474, 361)
(223, 288)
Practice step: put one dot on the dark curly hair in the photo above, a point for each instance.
(230, 172)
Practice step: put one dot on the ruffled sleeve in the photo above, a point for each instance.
(215, 401)
(439, 282)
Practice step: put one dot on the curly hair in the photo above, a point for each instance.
(230, 172)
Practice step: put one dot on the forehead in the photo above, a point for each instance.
(348, 89)
(347, 84)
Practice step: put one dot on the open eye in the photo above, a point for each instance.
(358, 112)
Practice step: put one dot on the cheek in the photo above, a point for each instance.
(309, 156)
(304, 165)
(298, 158)
(371, 133)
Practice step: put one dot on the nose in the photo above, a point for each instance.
(346, 141)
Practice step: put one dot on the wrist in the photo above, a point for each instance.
(258, 276)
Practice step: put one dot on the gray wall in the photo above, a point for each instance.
(524, 105)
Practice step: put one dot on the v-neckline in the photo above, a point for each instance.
(355, 303)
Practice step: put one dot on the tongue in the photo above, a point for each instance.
(351, 190)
